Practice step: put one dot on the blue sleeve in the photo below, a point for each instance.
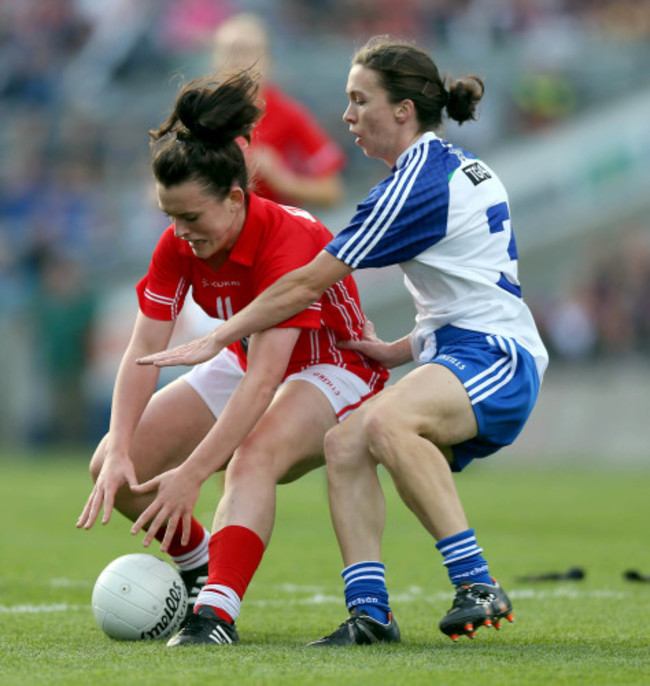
(401, 217)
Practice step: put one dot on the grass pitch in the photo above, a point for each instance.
(593, 631)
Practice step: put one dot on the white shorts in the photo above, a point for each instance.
(215, 381)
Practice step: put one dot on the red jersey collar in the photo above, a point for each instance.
(245, 248)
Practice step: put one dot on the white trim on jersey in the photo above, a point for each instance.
(161, 299)
(334, 351)
(172, 303)
(372, 230)
(334, 294)
(315, 346)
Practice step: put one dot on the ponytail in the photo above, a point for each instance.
(199, 140)
(464, 96)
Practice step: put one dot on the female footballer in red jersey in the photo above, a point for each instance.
(263, 405)
(294, 159)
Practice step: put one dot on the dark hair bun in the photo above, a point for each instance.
(464, 96)
(218, 113)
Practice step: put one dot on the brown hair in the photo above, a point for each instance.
(407, 72)
(199, 139)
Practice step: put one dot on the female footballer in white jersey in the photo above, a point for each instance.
(443, 216)
(261, 406)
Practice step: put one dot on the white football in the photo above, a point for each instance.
(139, 597)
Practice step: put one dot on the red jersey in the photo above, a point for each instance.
(288, 128)
(274, 240)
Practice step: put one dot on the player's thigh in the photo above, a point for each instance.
(287, 441)
(174, 422)
(430, 401)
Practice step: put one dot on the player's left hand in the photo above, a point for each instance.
(370, 344)
(173, 505)
(194, 352)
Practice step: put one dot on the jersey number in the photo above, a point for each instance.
(497, 215)
(298, 212)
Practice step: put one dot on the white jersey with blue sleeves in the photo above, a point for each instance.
(443, 216)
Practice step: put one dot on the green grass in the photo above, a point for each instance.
(528, 520)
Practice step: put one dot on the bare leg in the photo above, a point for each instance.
(286, 443)
(357, 504)
(408, 428)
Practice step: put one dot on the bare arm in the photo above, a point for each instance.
(178, 489)
(301, 189)
(133, 389)
(134, 385)
(288, 296)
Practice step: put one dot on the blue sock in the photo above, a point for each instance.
(365, 589)
(463, 559)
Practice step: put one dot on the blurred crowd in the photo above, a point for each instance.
(604, 312)
(81, 82)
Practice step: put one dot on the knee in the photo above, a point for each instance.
(382, 429)
(248, 465)
(332, 447)
(343, 447)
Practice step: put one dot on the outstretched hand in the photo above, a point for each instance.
(173, 505)
(113, 475)
(191, 353)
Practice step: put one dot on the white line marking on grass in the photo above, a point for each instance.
(70, 583)
(295, 588)
(38, 609)
(317, 599)
(416, 594)
(565, 592)
(412, 595)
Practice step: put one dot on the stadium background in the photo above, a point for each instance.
(564, 122)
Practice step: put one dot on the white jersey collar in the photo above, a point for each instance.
(422, 140)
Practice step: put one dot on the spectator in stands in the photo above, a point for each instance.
(294, 160)
(63, 312)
